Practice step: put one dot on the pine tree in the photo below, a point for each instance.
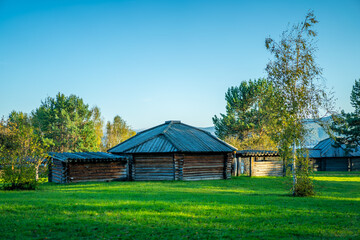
(246, 122)
(347, 125)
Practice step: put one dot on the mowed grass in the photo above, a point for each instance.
(243, 207)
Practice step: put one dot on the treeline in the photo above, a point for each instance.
(59, 124)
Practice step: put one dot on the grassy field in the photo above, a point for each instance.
(243, 207)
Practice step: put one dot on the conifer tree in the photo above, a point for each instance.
(246, 123)
(347, 125)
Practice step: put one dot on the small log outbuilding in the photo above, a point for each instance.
(176, 151)
(326, 156)
(87, 166)
(258, 163)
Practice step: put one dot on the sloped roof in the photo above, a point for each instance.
(257, 153)
(172, 136)
(327, 148)
(86, 156)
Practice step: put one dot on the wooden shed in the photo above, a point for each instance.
(326, 156)
(258, 163)
(176, 151)
(87, 166)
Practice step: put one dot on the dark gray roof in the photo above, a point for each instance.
(314, 153)
(86, 156)
(172, 136)
(327, 148)
(257, 153)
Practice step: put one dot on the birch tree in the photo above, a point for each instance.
(297, 79)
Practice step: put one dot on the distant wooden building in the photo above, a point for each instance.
(258, 163)
(87, 166)
(328, 157)
(176, 151)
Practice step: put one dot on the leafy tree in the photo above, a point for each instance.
(117, 132)
(347, 125)
(98, 125)
(299, 94)
(21, 152)
(246, 122)
(69, 123)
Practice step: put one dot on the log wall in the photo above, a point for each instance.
(267, 168)
(206, 167)
(57, 172)
(97, 171)
(165, 167)
(153, 167)
(355, 164)
(336, 164)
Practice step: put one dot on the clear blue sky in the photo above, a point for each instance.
(151, 61)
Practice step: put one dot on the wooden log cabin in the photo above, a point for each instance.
(176, 151)
(326, 156)
(258, 163)
(87, 166)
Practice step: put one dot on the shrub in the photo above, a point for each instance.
(304, 185)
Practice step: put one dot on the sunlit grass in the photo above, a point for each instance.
(243, 207)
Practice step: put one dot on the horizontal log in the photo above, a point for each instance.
(58, 176)
(153, 179)
(155, 158)
(268, 168)
(154, 170)
(154, 174)
(97, 170)
(202, 173)
(204, 161)
(268, 165)
(96, 177)
(96, 174)
(102, 166)
(205, 167)
(140, 165)
(201, 178)
(99, 180)
(97, 167)
(58, 180)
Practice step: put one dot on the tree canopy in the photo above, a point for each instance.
(299, 94)
(21, 152)
(69, 123)
(117, 132)
(246, 122)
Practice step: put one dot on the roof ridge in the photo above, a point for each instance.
(149, 139)
(167, 128)
(208, 133)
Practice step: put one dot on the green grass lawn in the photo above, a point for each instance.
(243, 207)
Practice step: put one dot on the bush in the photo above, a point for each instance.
(304, 185)
(21, 152)
(21, 176)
